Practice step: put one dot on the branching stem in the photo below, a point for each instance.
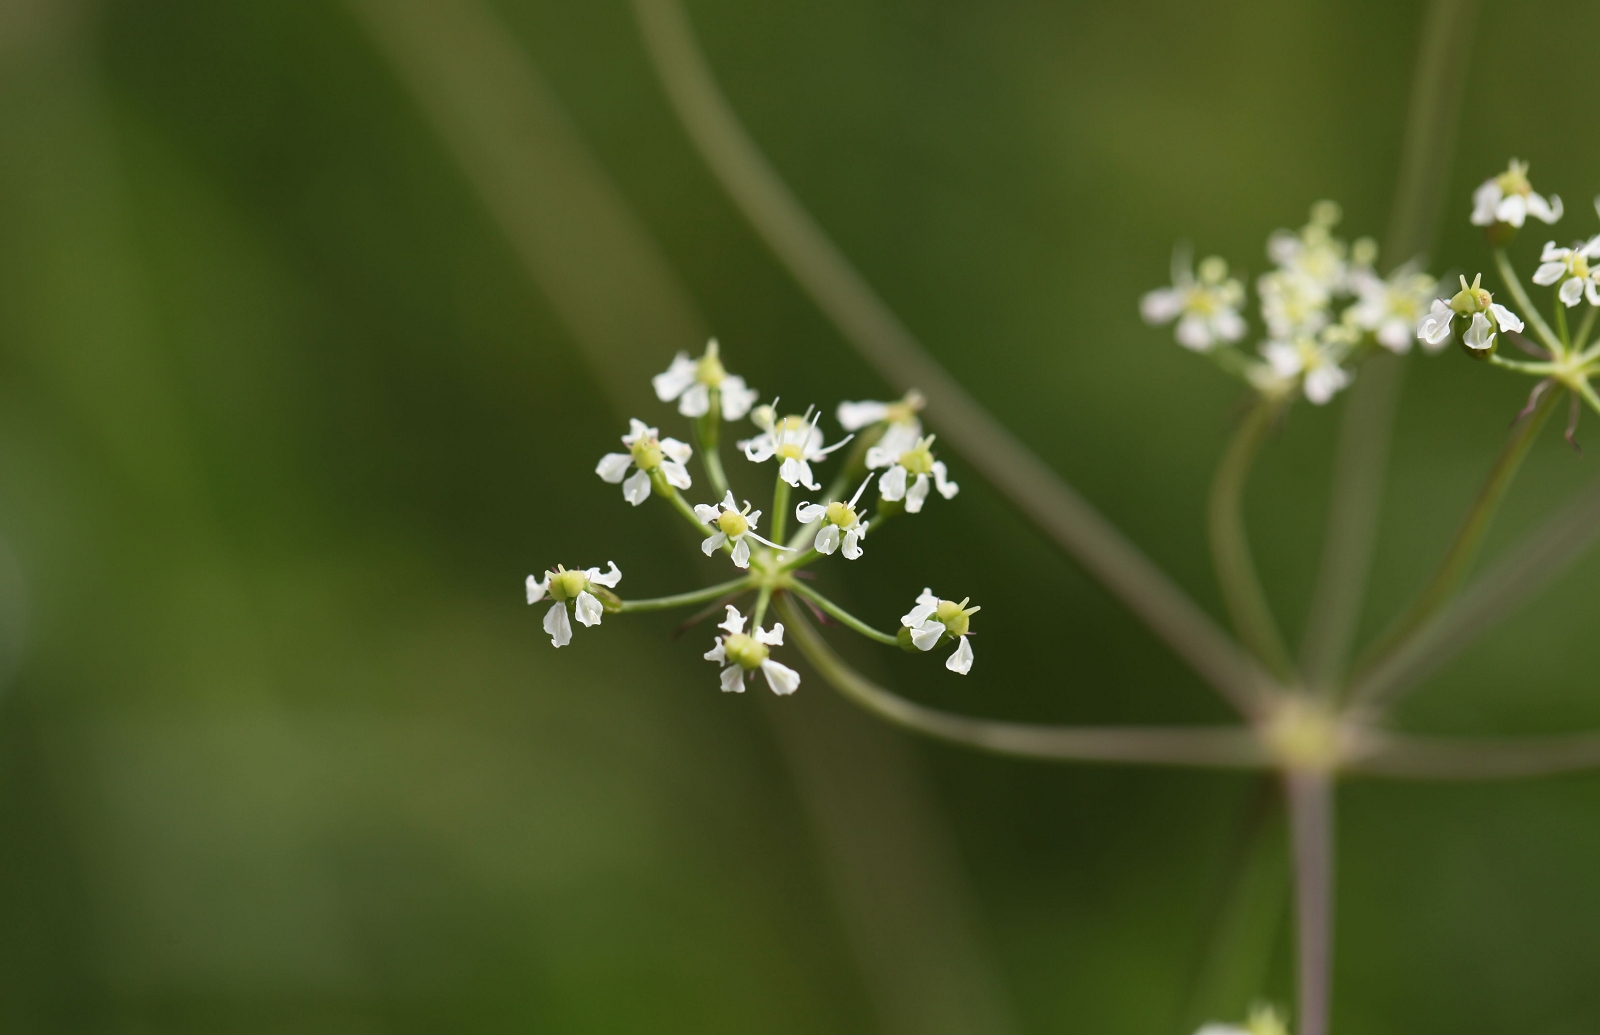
(844, 617)
(1513, 284)
(689, 599)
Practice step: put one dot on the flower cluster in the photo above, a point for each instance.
(890, 451)
(1322, 307)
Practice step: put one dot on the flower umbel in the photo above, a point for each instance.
(1207, 308)
(730, 524)
(1314, 361)
(934, 620)
(648, 452)
(909, 472)
(1510, 199)
(583, 588)
(1570, 268)
(740, 653)
(797, 443)
(1390, 308)
(691, 382)
(840, 523)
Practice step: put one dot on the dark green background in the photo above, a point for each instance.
(284, 423)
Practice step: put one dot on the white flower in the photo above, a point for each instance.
(1207, 309)
(648, 452)
(901, 426)
(797, 443)
(1486, 317)
(563, 585)
(731, 524)
(1391, 309)
(1314, 255)
(840, 523)
(1315, 362)
(1571, 267)
(1293, 303)
(1510, 198)
(691, 382)
(1264, 1020)
(917, 461)
(1434, 329)
(740, 653)
(934, 619)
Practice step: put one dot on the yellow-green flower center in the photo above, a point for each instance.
(733, 523)
(1514, 181)
(709, 371)
(647, 453)
(954, 618)
(1471, 300)
(840, 514)
(791, 451)
(1580, 265)
(744, 651)
(565, 585)
(918, 460)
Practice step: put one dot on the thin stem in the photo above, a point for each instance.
(1522, 366)
(1513, 284)
(1230, 547)
(1586, 390)
(800, 561)
(760, 613)
(708, 435)
(780, 509)
(844, 617)
(659, 483)
(1463, 549)
(1221, 747)
(1560, 310)
(698, 596)
(1583, 329)
(1311, 833)
(880, 337)
(1405, 757)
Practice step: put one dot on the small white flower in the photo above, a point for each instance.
(1293, 303)
(731, 524)
(1510, 198)
(933, 619)
(1314, 256)
(741, 653)
(648, 452)
(1392, 308)
(563, 585)
(1263, 1021)
(691, 382)
(901, 426)
(1434, 329)
(1571, 267)
(1207, 309)
(909, 472)
(796, 442)
(1315, 363)
(840, 524)
(1486, 317)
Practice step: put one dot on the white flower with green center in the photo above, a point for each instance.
(934, 621)
(1392, 308)
(691, 381)
(910, 473)
(730, 524)
(578, 587)
(1570, 267)
(901, 426)
(1264, 1020)
(1475, 305)
(1207, 308)
(648, 452)
(840, 524)
(796, 442)
(1509, 198)
(1314, 254)
(1314, 362)
(740, 653)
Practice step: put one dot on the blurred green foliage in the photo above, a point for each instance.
(283, 424)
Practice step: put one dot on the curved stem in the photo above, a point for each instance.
(841, 292)
(1513, 284)
(845, 617)
(697, 596)
(1464, 548)
(1230, 547)
(1523, 367)
(1217, 747)
(1311, 835)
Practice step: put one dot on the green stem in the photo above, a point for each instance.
(1536, 369)
(800, 561)
(1464, 549)
(659, 483)
(844, 617)
(1230, 548)
(1560, 310)
(698, 596)
(1584, 328)
(760, 613)
(708, 433)
(1586, 390)
(1514, 285)
(780, 509)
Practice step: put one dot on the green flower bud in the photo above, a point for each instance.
(840, 514)
(920, 459)
(1471, 298)
(744, 651)
(566, 585)
(733, 523)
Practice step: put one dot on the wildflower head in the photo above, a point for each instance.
(566, 585)
(740, 652)
(841, 525)
(839, 513)
(744, 651)
(589, 592)
(1207, 308)
(692, 381)
(1503, 203)
(934, 620)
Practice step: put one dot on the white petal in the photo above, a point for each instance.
(927, 604)
(1484, 201)
(536, 589)
(1553, 253)
(1548, 211)
(806, 513)
(696, 402)
(926, 635)
(961, 661)
(1591, 249)
(1324, 383)
(1571, 292)
(734, 623)
(941, 478)
(806, 477)
(588, 609)
(852, 545)
(1435, 328)
(1156, 307)
(1507, 320)
(741, 553)
(637, 488)
(897, 438)
(853, 416)
(609, 579)
(733, 680)
(892, 486)
(771, 637)
(1591, 291)
(736, 398)
(1512, 209)
(1480, 335)
(706, 512)
(1395, 335)
(613, 466)
(675, 450)
(557, 625)
(878, 456)
(1194, 333)
(680, 375)
(637, 429)
(916, 494)
(760, 449)
(712, 543)
(716, 653)
(676, 474)
(1227, 325)
(783, 679)
(1550, 272)
(827, 539)
(1284, 358)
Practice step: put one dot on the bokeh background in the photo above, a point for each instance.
(287, 411)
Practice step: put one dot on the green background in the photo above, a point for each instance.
(284, 422)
